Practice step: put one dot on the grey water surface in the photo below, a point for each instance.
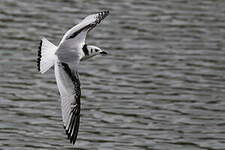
(162, 87)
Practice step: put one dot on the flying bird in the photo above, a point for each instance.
(65, 59)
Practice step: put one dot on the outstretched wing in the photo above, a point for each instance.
(74, 39)
(70, 104)
(84, 26)
(69, 56)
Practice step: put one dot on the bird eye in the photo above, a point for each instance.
(96, 50)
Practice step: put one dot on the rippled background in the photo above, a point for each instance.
(161, 88)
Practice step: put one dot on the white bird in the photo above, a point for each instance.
(65, 58)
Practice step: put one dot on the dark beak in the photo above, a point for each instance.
(103, 53)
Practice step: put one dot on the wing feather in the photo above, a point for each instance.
(70, 47)
(68, 52)
(70, 105)
(86, 24)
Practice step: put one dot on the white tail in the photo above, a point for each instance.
(46, 55)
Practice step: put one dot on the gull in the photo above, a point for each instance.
(65, 59)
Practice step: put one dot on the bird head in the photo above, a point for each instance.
(90, 51)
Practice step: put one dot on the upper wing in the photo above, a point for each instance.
(70, 104)
(85, 25)
(74, 38)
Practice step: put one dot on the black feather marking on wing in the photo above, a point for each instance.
(72, 131)
(39, 56)
(74, 77)
(78, 32)
(100, 17)
(76, 128)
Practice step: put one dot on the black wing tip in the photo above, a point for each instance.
(73, 126)
(102, 15)
(39, 56)
(72, 138)
(106, 12)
